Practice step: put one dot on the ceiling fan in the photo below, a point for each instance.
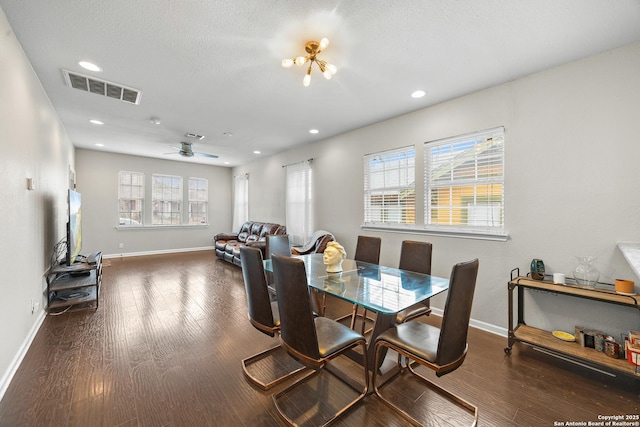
(185, 150)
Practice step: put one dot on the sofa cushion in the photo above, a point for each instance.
(245, 231)
(255, 228)
(267, 229)
(222, 244)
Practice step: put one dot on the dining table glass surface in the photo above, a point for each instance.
(385, 290)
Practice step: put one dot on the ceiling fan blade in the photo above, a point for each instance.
(175, 148)
(213, 156)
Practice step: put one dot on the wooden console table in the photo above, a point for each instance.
(545, 340)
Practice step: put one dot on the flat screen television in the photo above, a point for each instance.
(74, 226)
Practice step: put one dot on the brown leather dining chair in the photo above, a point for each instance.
(440, 349)
(416, 257)
(263, 313)
(278, 244)
(314, 341)
(367, 250)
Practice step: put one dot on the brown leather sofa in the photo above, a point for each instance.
(227, 245)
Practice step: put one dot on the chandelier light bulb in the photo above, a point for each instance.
(307, 78)
(327, 74)
(332, 68)
(286, 63)
(300, 60)
(324, 43)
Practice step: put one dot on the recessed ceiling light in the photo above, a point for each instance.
(227, 134)
(256, 152)
(226, 163)
(99, 145)
(96, 122)
(314, 131)
(418, 94)
(155, 120)
(89, 66)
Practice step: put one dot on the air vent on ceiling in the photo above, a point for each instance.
(102, 87)
(194, 135)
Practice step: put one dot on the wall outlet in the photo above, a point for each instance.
(120, 245)
(35, 306)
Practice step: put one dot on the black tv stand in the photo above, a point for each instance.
(74, 285)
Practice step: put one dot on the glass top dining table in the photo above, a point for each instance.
(375, 287)
(383, 290)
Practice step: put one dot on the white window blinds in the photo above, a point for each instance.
(166, 199)
(464, 183)
(389, 187)
(130, 198)
(198, 200)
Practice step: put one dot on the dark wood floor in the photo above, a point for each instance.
(164, 349)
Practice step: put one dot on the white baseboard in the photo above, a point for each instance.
(488, 327)
(161, 252)
(17, 360)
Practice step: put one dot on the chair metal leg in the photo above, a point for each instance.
(289, 421)
(266, 385)
(319, 302)
(355, 315)
(457, 399)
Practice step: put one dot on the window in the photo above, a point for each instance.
(166, 199)
(130, 198)
(464, 183)
(240, 200)
(299, 202)
(389, 187)
(198, 200)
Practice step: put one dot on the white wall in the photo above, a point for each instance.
(571, 187)
(34, 144)
(97, 179)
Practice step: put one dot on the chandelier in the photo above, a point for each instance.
(313, 48)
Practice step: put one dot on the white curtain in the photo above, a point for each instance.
(299, 202)
(240, 201)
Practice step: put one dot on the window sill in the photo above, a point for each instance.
(158, 227)
(395, 228)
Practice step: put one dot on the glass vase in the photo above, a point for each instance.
(586, 274)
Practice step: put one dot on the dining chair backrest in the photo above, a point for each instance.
(278, 244)
(416, 256)
(255, 284)
(368, 249)
(297, 328)
(452, 343)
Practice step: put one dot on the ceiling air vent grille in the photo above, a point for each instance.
(102, 87)
(194, 135)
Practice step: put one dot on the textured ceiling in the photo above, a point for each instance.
(210, 67)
